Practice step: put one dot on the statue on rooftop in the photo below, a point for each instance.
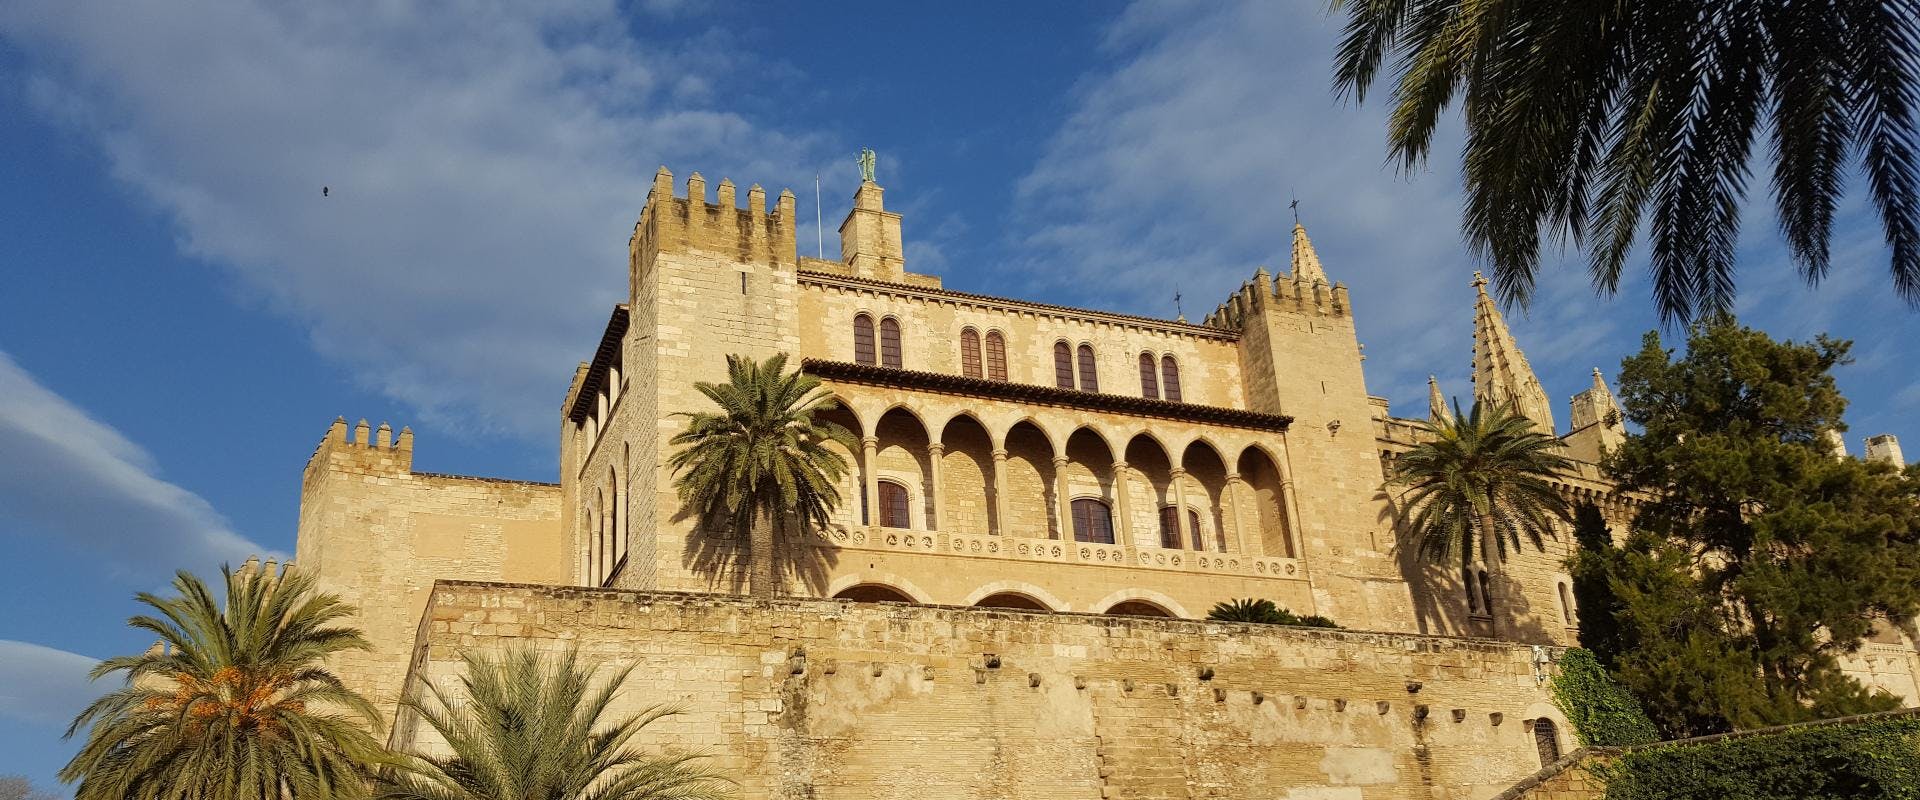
(867, 160)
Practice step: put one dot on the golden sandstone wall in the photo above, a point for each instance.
(829, 699)
(378, 534)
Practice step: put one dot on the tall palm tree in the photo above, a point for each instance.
(232, 703)
(1583, 117)
(528, 728)
(1478, 483)
(762, 462)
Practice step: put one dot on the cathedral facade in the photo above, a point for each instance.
(1065, 488)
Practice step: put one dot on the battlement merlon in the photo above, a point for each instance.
(753, 235)
(363, 449)
(1289, 293)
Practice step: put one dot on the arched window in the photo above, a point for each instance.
(1473, 590)
(1546, 739)
(1169, 527)
(1566, 604)
(1149, 382)
(1089, 374)
(893, 506)
(890, 343)
(1092, 521)
(970, 352)
(1063, 365)
(1170, 378)
(1486, 593)
(1193, 524)
(863, 339)
(996, 356)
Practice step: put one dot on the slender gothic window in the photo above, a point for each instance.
(1149, 384)
(970, 353)
(1473, 591)
(1170, 528)
(1063, 365)
(1193, 523)
(1486, 593)
(1089, 374)
(996, 356)
(863, 339)
(1170, 380)
(893, 506)
(1092, 521)
(890, 343)
(1566, 604)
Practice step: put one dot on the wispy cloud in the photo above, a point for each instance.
(43, 685)
(70, 476)
(484, 166)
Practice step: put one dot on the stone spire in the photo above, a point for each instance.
(1306, 263)
(1436, 404)
(1500, 371)
(1595, 424)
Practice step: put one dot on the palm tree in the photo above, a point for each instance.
(232, 703)
(1583, 118)
(763, 461)
(1477, 484)
(524, 728)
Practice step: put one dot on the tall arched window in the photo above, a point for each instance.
(894, 505)
(970, 352)
(614, 517)
(1063, 365)
(1092, 521)
(1170, 377)
(1473, 590)
(1193, 524)
(1149, 382)
(863, 339)
(1566, 604)
(1486, 593)
(996, 356)
(890, 343)
(1170, 527)
(1089, 372)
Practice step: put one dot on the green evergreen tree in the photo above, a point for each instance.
(524, 727)
(234, 703)
(1760, 558)
(763, 462)
(1594, 601)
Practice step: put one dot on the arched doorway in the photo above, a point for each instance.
(1546, 739)
(873, 593)
(1013, 600)
(1138, 608)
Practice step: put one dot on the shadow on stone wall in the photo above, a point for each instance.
(800, 558)
(1439, 594)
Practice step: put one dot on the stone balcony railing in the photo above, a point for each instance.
(900, 540)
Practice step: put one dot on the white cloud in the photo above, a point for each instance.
(43, 685)
(70, 476)
(485, 165)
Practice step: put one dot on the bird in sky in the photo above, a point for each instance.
(323, 191)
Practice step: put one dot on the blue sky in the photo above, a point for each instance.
(183, 313)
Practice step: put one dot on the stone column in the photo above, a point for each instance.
(1180, 510)
(1063, 505)
(999, 492)
(1234, 531)
(870, 447)
(1123, 521)
(935, 451)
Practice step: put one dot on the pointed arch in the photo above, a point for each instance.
(970, 352)
(996, 356)
(1149, 379)
(863, 347)
(1063, 364)
(1015, 591)
(1170, 377)
(890, 343)
(1029, 506)
(1265, 519)
(1089, 369)
(1168, 606)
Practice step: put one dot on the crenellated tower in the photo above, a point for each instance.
(1500, 371)
(1596, 423)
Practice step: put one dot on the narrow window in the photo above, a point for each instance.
(1193, 523)
(1473, 591)
(1566, 604)
(1149, 383)
(893, 506)
(890, 343)
(1546, 739)
(863, 339)
(1092, 521)
(1486, 593)
(1170, 380)
(1170, 528)
(996, 356)
(1089, 375)
(1063, 365)
(970, 352)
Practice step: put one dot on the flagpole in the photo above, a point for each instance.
(819, 228)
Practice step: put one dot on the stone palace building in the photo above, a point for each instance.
(1044, 504)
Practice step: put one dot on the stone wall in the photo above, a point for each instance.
(378, 534)
(831, 699)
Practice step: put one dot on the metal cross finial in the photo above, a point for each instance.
(1478, 279)
(1295, 205)
(1177, 310)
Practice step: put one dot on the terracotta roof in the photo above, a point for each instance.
(1048, 395)
(602, 356)
(1181, 327)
